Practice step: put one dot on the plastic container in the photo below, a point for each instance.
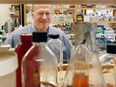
(39, 65)
(84, 70)
(108, 61)
(57, 48)
(21, 49)
(8, 66)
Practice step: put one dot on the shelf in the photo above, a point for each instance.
(100, 22)
(74, 12)
(96, 8)
(107, 8)
(60, 22)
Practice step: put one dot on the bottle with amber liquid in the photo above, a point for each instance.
(39, 65)
(21, 49)
(82, 68)
(80, 80)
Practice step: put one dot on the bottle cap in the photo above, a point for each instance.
(111, 48)
(39, 37)
(56, 36)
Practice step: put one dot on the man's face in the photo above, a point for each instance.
(42, 17)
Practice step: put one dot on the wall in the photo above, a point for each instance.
(4, 11)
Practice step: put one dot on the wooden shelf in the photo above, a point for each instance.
(74, 12)
(96, 8)
(101, 22)
(60, 22)
(85, 8)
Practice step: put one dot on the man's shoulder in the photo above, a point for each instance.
(55, 29)
(28, 26)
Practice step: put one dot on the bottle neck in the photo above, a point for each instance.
(54, 39)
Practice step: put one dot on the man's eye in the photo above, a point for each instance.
(40, 13)
(47, 13)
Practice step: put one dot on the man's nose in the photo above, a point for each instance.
(44, 16)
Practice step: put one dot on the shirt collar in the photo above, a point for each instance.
(34, 29)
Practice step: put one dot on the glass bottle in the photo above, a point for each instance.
(107, 16)
(96, 17)
(56, 46)
(21, 49)
(39, 65)
(82, 68)
(70, 17)
(92, 17)
(79, 17)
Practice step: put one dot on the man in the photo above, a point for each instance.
(41, 14)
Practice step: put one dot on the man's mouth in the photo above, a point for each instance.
(43, 21)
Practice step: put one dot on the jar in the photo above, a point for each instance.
(8, 66)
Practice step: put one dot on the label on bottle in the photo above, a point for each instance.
(79, 18)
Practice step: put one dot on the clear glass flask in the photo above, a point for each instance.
(57, 48)
(84, 70)
(39, 66)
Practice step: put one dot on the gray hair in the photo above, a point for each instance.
(33, 7)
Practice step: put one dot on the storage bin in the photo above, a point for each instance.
(8, 66)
